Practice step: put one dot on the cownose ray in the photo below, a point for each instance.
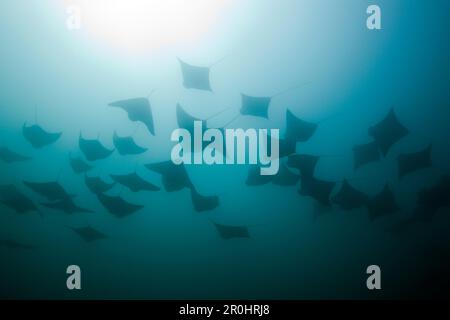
(195, 77)
(227, 232)
(298, 130)
(138, 109)
(134, 182)
(412, 162)
(318, 189)
(382, 204)
(78, 165)
(66, 205)
(11, 197)
(9, 156)
(388, 132)
(89, 234)
(38, 137)
(349, 198)
(13, 244)
(174, 177)
(97, 185)
(364, 154)
(52, 190)
(117, 206)
(92, 149)
(304, 163)
(203, 203)
(126, 145)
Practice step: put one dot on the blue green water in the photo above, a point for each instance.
(64, 80)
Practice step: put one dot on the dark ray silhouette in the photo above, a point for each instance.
(13, 244)
(348, 198)
(186, 121)
(66, 205)
(134, 182)
(118, 206)
(305, 164)
(412, 162)
(127, 146)
(203, 203)
(382, 204)
(93, 150)
(319, 190)
(51, 190)
(365, 153)
(78, 165)
(229, 232)
(97, 185)
(255, 106)
(195, 77)
(9, 156)
(138, 109)
(89, 234)
(174, 177)
(38, 137)
(12, 198)
(297, 129)
(285, 177)
(388, 132)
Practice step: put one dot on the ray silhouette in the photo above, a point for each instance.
(97, 185)
(203, 203)
(174, 177)
(195, 77)
(138, 109)
(348, 198)
(229, 232)
(38, 137)
(297, 129)
(412, 162)
(78, 165)
(134, 182)
(52, 190)
(93, 150)
(89, 234)
(118, 206)
(12, 198)
(9, 156)
(317, 189)
(66, 205)
(126, 145)
(388, 132)
(382, 204)
(364, 154)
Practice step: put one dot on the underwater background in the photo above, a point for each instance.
(64, 80)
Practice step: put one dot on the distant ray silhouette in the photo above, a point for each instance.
(134, 182)
(10, 156)
(118, 206)
(382, 204)
(127, 146)
(11, 197)
(97, 185)
(229, 232)
(138, 109)
(431, 200)
(297, 129)
(51, 190)
(89, 234)
(186, 121)
(306, 164)
(254, 177)
(174, 177)
(79, 165)
(255, 106)
(364, 154)
(66, 205)
(285, 177)
(13, 244)
(38, 137)
(348, 198)
(388, 132)
(203, 203)
(93, 150)
(412, 162)
(195, 77)
(319, 190)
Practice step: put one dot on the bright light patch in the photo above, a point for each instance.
(141, 25)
